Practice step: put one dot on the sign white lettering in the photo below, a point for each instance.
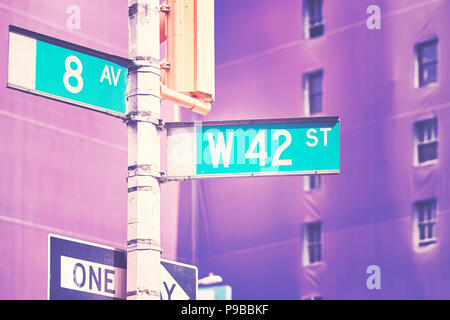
(87, 276)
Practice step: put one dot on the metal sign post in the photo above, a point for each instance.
(143, 107)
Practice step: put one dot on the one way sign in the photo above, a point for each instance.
(179, 281)
(88, 271)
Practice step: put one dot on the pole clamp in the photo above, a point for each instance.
(143, 291)
(143, 244)
(164, 178)
(139, 62)
(144, 116)
(165, 65)
(146, 170)
(165, 8)
(141, 8)
(143, 170)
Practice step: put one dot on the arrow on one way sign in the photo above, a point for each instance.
(179, 281)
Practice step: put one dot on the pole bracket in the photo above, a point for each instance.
(143, 170)
(164, 178)
(165, 65)
(146, 170)
(145, 291)
(165, 8)
(142, 9)
(145, 116)
(140, 62)
(143, 244)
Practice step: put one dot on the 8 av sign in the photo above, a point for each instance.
(263, 147)
(67, 72)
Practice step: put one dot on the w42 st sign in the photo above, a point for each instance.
(266, 147)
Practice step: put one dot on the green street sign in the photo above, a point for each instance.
(266, 147)
(63, 71)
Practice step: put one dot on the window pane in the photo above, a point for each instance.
(426, 212)
(426, 130)
(427, 151)
(421, 231)
(428, 74)
(315, 82)
(312, 254)
(315, 11)
(313, 230)
(430, 230)
(316, 31)
(420, 132)
(428, 52)
(310, 233)
(312, 182)
(317, 233)
(315, 104)
(315, 253)
(433, 209)
(429, 210)
(420, 212)
(430, 130)
(313, 18)
(313, 89)
(313, 238)
(319, 252)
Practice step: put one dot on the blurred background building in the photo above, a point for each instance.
(63, 168)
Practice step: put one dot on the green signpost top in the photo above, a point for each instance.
(67, 72)
(266, 147)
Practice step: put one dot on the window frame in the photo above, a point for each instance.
(418, 143)
(307, 245)
(307, 26)
(307, 79)
(313, 297)
(419, 65)
(433, 222)
(307, 182)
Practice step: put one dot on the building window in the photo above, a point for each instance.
(312, 182)
(426, 141)
(427, 62)
(312, 243)
(313, 298)
(313, 18)
(312, 89)
(425, 221)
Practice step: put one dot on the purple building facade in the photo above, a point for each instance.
(63, 168)
(254, 231)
